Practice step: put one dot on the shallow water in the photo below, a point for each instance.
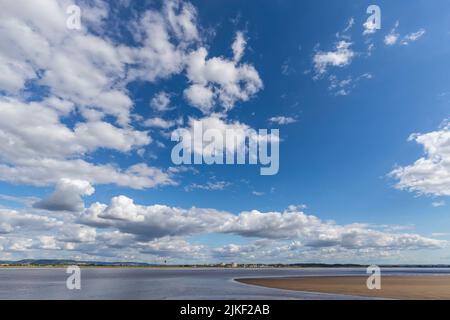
(173, 283)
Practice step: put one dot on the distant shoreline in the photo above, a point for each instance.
(239, 266)
(61, 263)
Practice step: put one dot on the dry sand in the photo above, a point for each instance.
(396, 287)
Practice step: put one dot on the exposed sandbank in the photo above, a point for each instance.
(396, 287)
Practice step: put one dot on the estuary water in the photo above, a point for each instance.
(170, 283)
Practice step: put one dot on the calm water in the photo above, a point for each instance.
(109, 283)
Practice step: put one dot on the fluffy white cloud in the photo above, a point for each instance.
(164, 38)
(48, 243)
(200, 97)
(43, 172)
(390, 39)
(220, 80)
(344, 87)
(430, 174)
(340, 57)
(157, 221)
(75, 66)
(5, 228)
(281, 120)
(437, 204)
(369, 27)
(86, 69)
(21, 244)
(15, 220)
(161, 101)
(271, 251)
(393, 36)
(210, 185)
(315, 233)
(411, 37)
(350, 24)
(67, 196)
(149, 222)
(195, 142)
(172, 247)
(238, 46)
(45, 135)
(93, 135)
(182, 18)
(158, 122)
(77, 234)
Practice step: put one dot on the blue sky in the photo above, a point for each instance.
(85, 165)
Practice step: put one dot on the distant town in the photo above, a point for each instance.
(61, 263)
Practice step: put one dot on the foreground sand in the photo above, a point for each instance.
(397, 287)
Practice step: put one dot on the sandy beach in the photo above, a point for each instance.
(395, 287)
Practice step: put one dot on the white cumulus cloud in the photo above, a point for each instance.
(67, 196)
(340, 57)
(429, 174)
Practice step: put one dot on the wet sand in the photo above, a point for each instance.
(395, 287)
